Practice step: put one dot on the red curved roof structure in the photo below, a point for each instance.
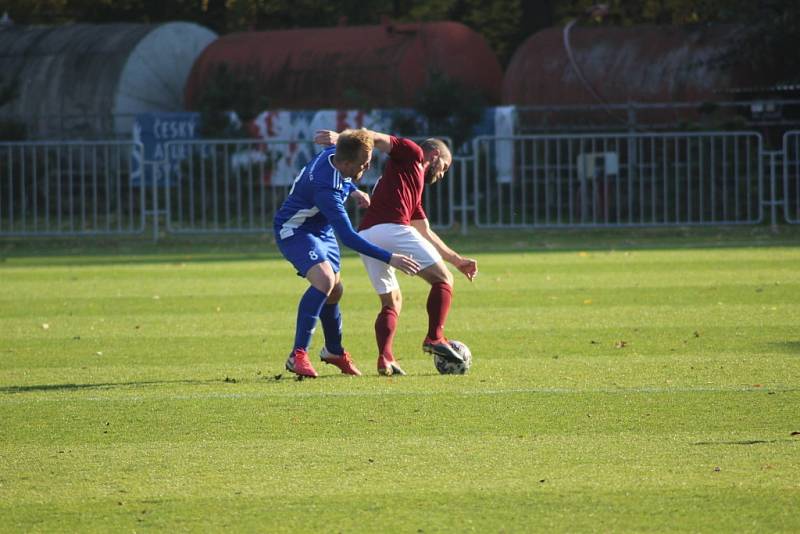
(643, 64)
(359, 66)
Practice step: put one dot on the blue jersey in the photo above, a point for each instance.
(315, 205)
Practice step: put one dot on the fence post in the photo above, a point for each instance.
(464, 196)
(773, 201)
(154, 208)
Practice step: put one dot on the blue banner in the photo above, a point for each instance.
(154, 130)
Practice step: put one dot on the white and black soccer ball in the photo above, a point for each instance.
(447, 367)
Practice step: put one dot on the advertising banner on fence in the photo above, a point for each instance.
(275, 127)
(158, 166)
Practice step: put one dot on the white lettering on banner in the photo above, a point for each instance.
(159, 160)
(173, 129)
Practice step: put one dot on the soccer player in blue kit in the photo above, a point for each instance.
(304, 231)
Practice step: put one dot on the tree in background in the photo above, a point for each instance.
(451, 109)
(504, 23)
(10, 130)
(769, 40)
(230, 94)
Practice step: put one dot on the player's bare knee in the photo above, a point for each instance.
(448, 278)
(323, 282)
(397, 302)
(436, 274)
(336, 293)
(392, 300)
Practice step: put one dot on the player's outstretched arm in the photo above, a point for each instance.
(467, 266)
(383, 142)
(325, 137)
(326, 201)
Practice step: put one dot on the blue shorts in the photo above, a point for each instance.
(304, 250)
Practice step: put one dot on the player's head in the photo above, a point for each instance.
(438, 159)
(354, 152)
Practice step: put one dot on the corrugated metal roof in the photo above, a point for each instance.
(87, 71)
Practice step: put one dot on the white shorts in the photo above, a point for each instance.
(398, 239)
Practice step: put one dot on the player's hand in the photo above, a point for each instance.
(404, 263)
(325, 137)
(361, 198)
(468, 266)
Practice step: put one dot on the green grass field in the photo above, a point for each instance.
(622, 382)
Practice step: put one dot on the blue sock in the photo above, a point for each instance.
(331, 319)
(307, 315)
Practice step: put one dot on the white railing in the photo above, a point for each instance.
(533, 181)
(54, 188)
(618, 180)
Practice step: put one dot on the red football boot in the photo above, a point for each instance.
(298, 364)
(388, 367)
(343, 361)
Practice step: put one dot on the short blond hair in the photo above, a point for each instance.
(351, 143)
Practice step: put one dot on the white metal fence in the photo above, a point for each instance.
(69, 188)
(791, 176)
(236, 186)
(618, 180)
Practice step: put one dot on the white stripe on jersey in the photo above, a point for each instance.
(297, 220)
(317, 161)
(337, 176)
(288, 228)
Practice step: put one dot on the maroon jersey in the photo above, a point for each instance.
(397, 197)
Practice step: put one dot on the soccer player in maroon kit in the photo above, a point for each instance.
(397, 222)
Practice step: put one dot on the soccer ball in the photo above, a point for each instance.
(446, 367)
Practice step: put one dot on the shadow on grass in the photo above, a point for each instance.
(179, 249)
(747, 442)
(282, 377)
(792, 347)
(105, 385)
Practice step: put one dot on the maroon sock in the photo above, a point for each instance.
(438, 307)
(385, 327)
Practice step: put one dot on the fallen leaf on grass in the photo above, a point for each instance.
(620, 344)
